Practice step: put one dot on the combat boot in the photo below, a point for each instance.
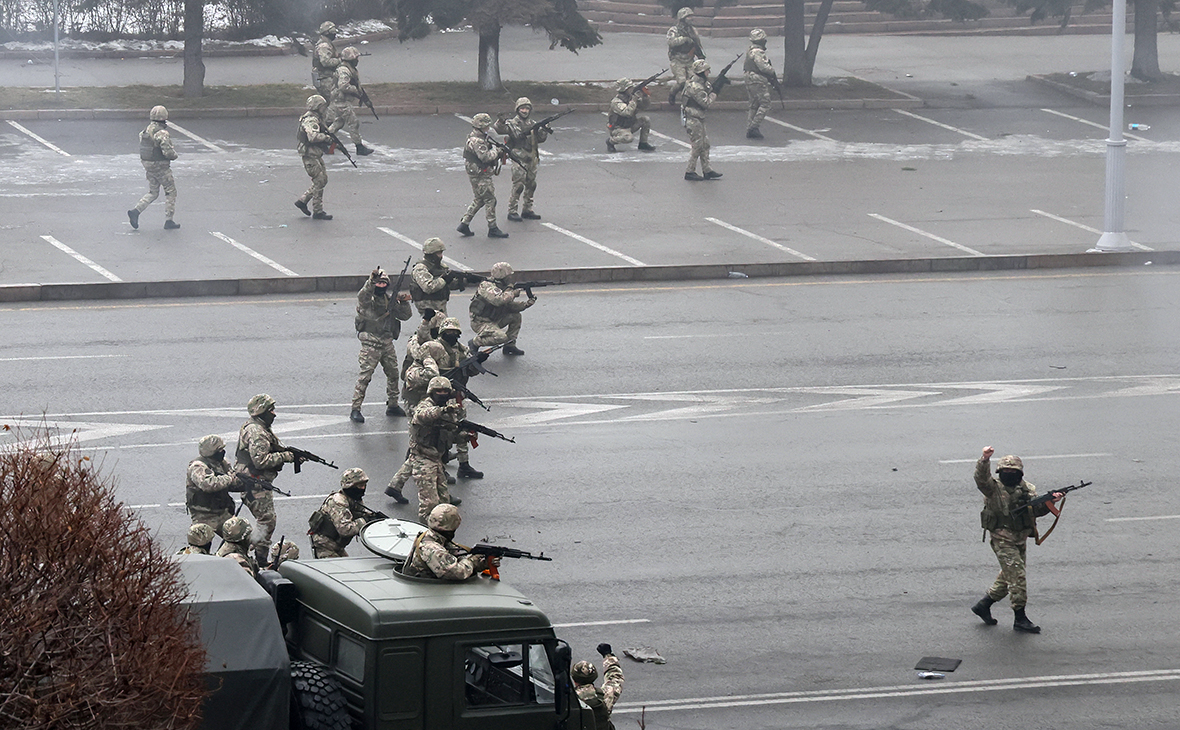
(171, 225)
(394, 410)
(712, 175)
(362, 150)
(983, 609)
(610, 147)
(645, 147)
(530, 215)
(465, 229)
(514, 216)
(512, 349)
(133, 216)
(466, 471)
(303, 207)
(495, 232)
(450, 480)
(356, 416)
(692, 176)
(456, 501)
(396, 495)
(753, 133)
(322, 216)
(671, 97)
(1023, 624)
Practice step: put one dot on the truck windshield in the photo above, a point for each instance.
(509, 674)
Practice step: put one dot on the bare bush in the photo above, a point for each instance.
(92, 631)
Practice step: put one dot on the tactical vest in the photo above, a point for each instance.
(149, 148)
(442, 295)
(301, 133)
(315, 57)
(614, 120)
(470, 156)
(750, 64)
(321, 524)
(481, 308)
(208, 501)
(437, 436)
(379, 320)
(995, 517)
(597, 705)
(242, 454)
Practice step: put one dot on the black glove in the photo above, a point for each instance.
(482, 356)
(604, 649)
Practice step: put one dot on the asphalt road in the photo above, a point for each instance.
(766, 481)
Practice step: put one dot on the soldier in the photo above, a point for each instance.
(449, 334)
(435, 555)
(207, 485)
(495, 311)
(601, 701)
(341, 516)
(431, 281)
(237, 544)
(524, 140)
(288, 549)
(698, 95)
(759, 77)
(312, 141)
(157, 153)
(482, 161)
(624, 119)
(325, 60)
(379, 317)
(434, 427)
(1009, 534)
(200, 540)
(683, 46)
(261, 455)
(347, 87)
(417, 378)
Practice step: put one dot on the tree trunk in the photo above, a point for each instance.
(795, 71)
(817, 32)
(489, 59)
(1145, 64)
(194, 67)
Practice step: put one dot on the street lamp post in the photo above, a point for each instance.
(1114, 237)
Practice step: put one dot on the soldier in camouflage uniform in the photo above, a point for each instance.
(418, 375)
(758, 73)
(698, 95)
(434, 428)
(525, 144)
(157, 153)
(683, 46)
(341, 516)
(431, 281)
(624, 118)
(1009, 534)
(289, 550)
(207, 485)
(313, 140)
(449, 335)
(346, 88)
(435, 555)
(379, 317)
(482, 161)
(261, 455)
(200, 540)
(495, 311)
(325, 60)
(600, 701)
(237, 545)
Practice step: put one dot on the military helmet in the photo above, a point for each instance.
(328, 28)
(210, 445)
(1011, 462)
(481, 121)
(236, 529)
(433, 245)
(523, 101)
(260, 403)
(444, 517)
(316, 102)
(584, 672)
(350, 54)
(501, 270)
(353, 477)
(435, 350)
(200, 534)
(683, 13)
(700, 66)
(290, 551)
(450, 323)
(158, 114)
(757, 36)
(623, 84)
(438, 384)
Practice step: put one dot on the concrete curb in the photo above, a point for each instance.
(597, 275)
(1103, 100)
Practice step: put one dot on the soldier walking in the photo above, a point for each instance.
(523, 140)
(684, 45)
(482, 161)
(759, 78)
(624, 118)
(434, 427)
(340, 518)
(347, 88)
(313, 139)
(600, 701)
(261, 455)
(207, 485)
(325, 60)
(157, 153)
(495, 311)
(698, 95)
(379, 316)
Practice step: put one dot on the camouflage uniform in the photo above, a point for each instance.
(337, 526)
(207, 485)
(525, 146)
(346, 88)
(482, 161)
(601, 701)
(698, 95)
(237, 544)
(683, 46)
(261, 455)
(433, 429)
(156, 153)
(758, 73)
(378, 324)
(1009, 535)
(200, 538)
(325, 60)
(495, 313)
(455, 354)
(623, 119)
(431, 280)
(312, 141)
(434, 554)
(289, 550)
(417, 378)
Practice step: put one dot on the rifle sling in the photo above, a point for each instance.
(1038, 538)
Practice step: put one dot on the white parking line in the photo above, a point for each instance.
(919, 117)
(79, 257)
(1084, 227)
(406, 239)
(927, 234)
(605, 623)
(1143, 519)
(760, 239)
(781, 123)
(39, 138)
(57, 357)
(194, 137)
(599, 246)
(247, 250)
(1049, 456)
(654, 133)
(1088, 123)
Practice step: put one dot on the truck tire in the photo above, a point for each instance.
(316, 700)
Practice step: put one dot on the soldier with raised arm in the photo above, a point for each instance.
(600, 701)
(379, 316)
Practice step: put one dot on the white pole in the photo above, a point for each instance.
(56, 77)
(1114, 237)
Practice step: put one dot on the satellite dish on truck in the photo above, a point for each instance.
(391, 538)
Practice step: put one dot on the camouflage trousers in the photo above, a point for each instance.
(524, 184)
(695, 127)
(319, 180)
(438, 305)
(159, 175)
(484, 191)
(213, 519)
(679, 73)
(262, 505)
(376, 351)
(346, 119)
(1012, 580)
(496, 332)
(431, 478)
(322, 547)
(758, 89)
(623, 135)
(324, 85)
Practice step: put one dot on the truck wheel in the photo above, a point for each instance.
(316, 700)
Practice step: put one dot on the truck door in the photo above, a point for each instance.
(505, 685)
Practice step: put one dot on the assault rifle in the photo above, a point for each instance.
(278, 555)
(635, 88)
(778, 89)
(1048, 497)
(505, 150)
(337, 143)
(401, 278)
(460, 386)
(474, 361)
(544, 123)
(499, 551)
(476, 428)
(464, 278)
(302, 456)
(256, 483)
(528, 286)
(371, 515)
(367, 101)
(720, 82)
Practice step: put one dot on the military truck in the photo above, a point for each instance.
(363, 646)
